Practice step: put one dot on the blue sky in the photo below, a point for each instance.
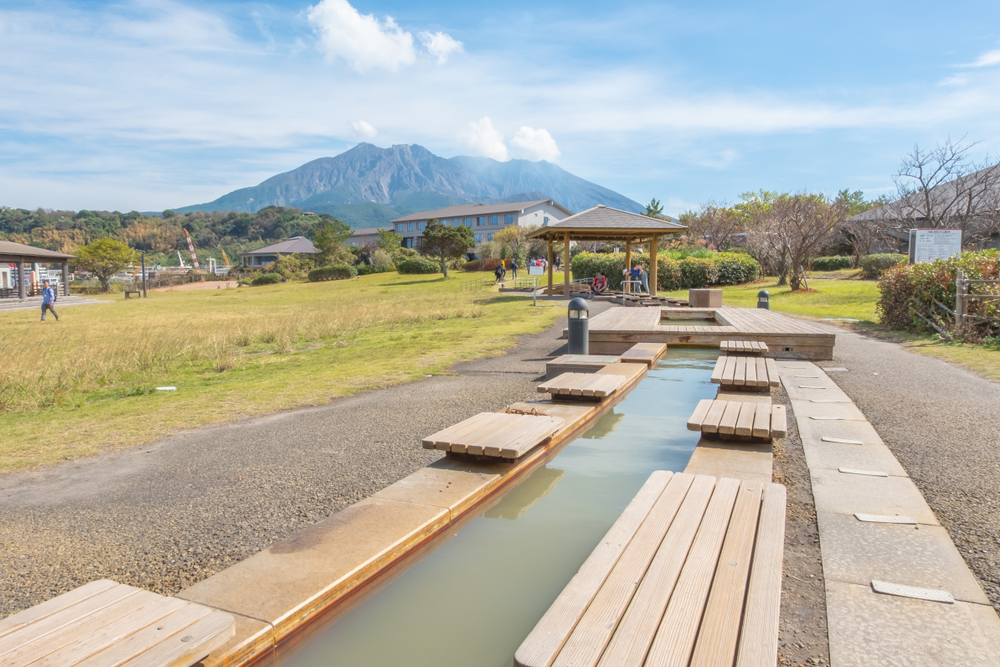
(150, 104)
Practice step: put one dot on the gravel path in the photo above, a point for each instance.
(943, 425)
(165, 516)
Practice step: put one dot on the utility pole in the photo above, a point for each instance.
(144, 275)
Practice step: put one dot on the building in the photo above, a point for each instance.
(484, 219)
(367, 236)
(271, 253)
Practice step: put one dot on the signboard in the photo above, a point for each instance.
(927, 245)
(536, 270)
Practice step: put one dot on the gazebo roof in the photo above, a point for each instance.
(12, 252)
(603, 223)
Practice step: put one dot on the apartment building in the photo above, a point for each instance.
(484, 219)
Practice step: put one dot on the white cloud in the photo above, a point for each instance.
(361, 39)
(954, 80)
(483, 139)
(536, 144)
(988, 59)
(364, 129)
(440, 45)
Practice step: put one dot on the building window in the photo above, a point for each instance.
(479, 238)
(508, 219)
(489, 237)
(421, 225)
(468, 222)
(409, 226)
(546, 219)
(399, 228)
(494, 219)
(481, 221)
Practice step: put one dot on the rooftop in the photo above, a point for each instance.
(478, 209)
(11, 249)
(609, 224)
(294, 244)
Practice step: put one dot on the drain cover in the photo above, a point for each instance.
(811, 386)
(885, 518)
(808, 376)
(831, 419)
(842, 441)
(835, 370)
(870, 473)
(902, 591)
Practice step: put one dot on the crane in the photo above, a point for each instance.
(194, 258)
(225, 257)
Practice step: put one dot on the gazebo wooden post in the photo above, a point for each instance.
(65, 277)
(652, 265)
(549, 266)
(628, 262)
(566, 265)
(20, 279)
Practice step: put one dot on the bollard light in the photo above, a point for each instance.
(764, 299)
(579, 327)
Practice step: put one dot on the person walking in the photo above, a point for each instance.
(48, 299)
(513, 268)
(498, 272)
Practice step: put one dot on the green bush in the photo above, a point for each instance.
(736, 268)
(399, 254)
(691, 271)
(267, 279)
(587, 264)
(335, 272)
(697, 272)
(872, 266)
(835, 263)
(908, 289)
(368, 269)
(418, 265)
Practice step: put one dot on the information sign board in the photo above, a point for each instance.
(932, 244)
(534, 270)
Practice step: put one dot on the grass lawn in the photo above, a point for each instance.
(88, 383)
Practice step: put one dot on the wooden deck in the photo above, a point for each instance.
(746, 373)
(495, 434)
(106, 624)
(617, 329)
(690, 574)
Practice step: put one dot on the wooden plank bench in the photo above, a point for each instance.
(739, 420)
(583, 386)
(106, 623)
(646, 353)
(743, 347)
(578, 363)
(495, 434)
(689, 574)
(746, 373)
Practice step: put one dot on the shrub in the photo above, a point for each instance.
(418, 265)
(335, 272)
(696, 272)
(482, 265)
(834, 263)
(267, 279)
(736, 268)
(399, 254)
(872, 266)
(368, 269)
(587, 264)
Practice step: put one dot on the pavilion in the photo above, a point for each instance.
(602, 223)
(19, 254)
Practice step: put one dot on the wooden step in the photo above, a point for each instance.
(739, 420)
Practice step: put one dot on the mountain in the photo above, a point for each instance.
(368, 186)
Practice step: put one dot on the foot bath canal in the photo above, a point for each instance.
(474, 599)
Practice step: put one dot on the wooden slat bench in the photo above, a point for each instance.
(743, 347)
(690, 574)
(739, 420)
(646, 353)
(746, 373)
(109, 624)
(585, 386)
(495, 434)
(578, 363)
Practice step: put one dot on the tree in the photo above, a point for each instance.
(329, 237)
(713, 224)
(798, 225)
(654, 209)
(389, 240)
(104, 258)
(860, 234)
(446, 243)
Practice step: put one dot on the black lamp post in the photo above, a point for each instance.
(764, 299)
(579, 327)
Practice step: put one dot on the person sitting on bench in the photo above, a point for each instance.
(599, 285)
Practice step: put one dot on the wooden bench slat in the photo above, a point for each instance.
(727, 425)
(477, 427)
(772, 372)
(740, 376)
(759, 634)
(542, 645)
(779, 422)
(700, 413)
(194, 642)
(751, 372)
(744, 425)
(762, 423)
(56, 604)
(140, 642)
(518, 448)
(598, 623)
(730, 370)
(714, 416)
(720, 625)
(761, 365)
(678, 629)
(720, 367)
(497, 438)
(447, 435)
(638, 626)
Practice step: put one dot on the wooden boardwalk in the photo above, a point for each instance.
(105, 624)
(690, 574)
(617, 329)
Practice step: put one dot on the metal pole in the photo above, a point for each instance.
(960, 303)
(20, 279)
(144, 275)
(65, 277)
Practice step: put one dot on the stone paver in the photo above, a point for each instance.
(846, 494)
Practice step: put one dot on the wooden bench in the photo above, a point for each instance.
(739, 420)
(495, 434)
(583, 386)
(746, 373)
(743, 347)
(646, 353)
(578, 363)
(129, 292)
(689, 574)
(105, 623)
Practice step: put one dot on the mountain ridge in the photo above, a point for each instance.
(367, 185)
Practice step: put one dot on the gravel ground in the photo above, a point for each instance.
(166, 516)
(943, 425)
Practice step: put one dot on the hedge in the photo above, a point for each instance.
(335, 272)
(482, 265)
(418, 265)
(834, 263)
(908, 289)
(722, 268)
(368, 269)
(267, 279)
(872, 266)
